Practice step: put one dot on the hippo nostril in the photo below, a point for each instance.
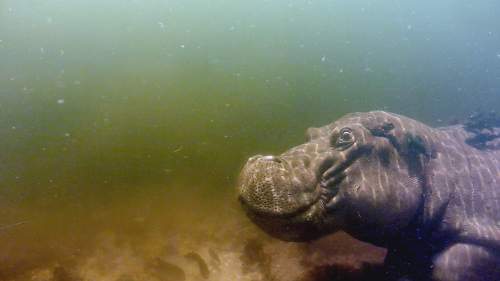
(271, 158)
(253, 158)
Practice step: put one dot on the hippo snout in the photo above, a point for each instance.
(269, 185)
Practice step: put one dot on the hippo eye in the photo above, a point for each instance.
(345, 139)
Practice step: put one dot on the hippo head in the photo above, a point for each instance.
(364, 174)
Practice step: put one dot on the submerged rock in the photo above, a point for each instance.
(485, 130)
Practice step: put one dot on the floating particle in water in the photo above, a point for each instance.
(49, 20)
(67, 135)
(323, 58)
(60, 84)
(498, 55)
(341, 70)
(60, 101)
(13, 127)
(232, 28)
(161, 24)
(182, 46)
(409, 27)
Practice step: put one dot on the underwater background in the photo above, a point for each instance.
(124, 124)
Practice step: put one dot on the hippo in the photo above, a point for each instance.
(430, 196)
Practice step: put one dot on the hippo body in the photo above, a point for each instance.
(428, 195)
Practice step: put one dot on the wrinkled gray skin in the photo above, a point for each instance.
(424, 194)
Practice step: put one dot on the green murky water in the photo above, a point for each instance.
(123, 124)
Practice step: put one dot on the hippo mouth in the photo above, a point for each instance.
(330, 186)
(305, 222)
(325, 196)
(292, 199)
(278, 187)
(334, 176)
(320, 195)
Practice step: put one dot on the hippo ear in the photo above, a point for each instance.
(385, 130)
(410, 145)
(404, 142)
(381, 130)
